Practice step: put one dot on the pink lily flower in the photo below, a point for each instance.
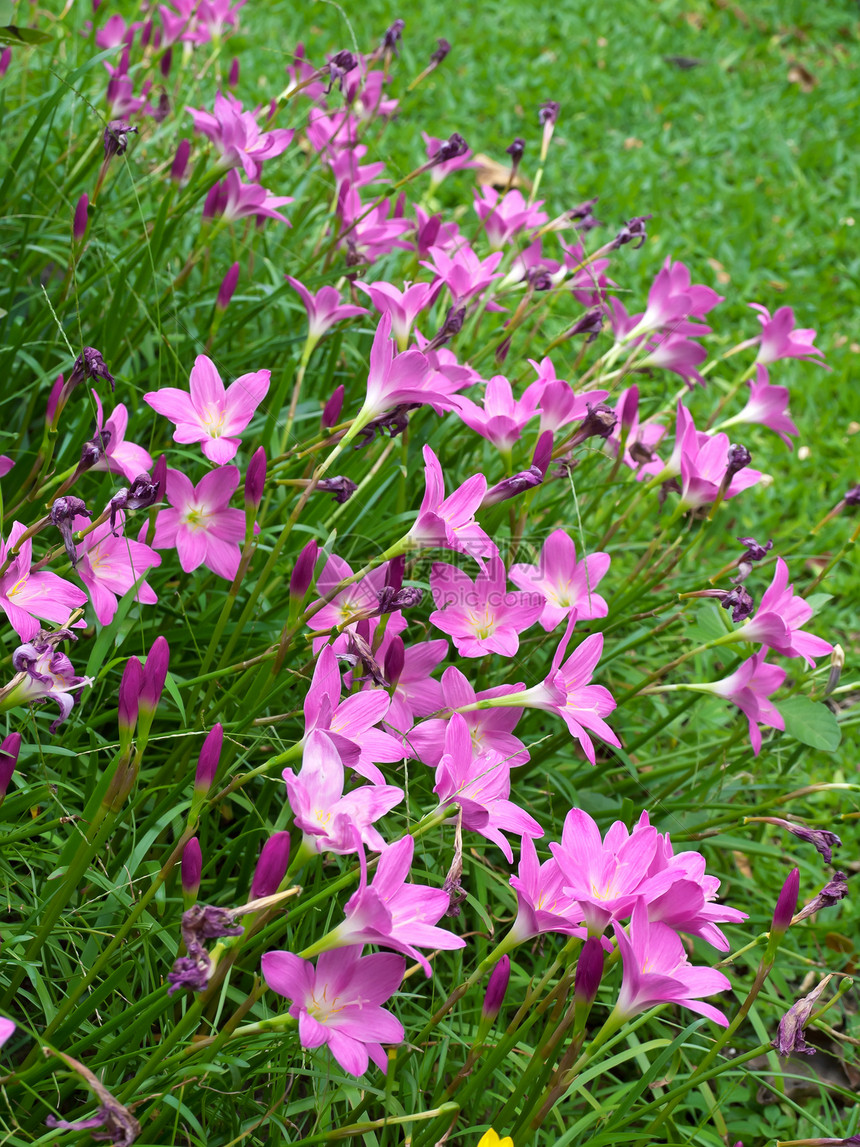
(704, 462)
(233, 199)
(212, 17)
(390, 913)
(750, 687)
(324, 308)
(354, 603)
(402, 306)
(200, 523)
(481, 616)
(502, 418)
(26, 596)
(558, 404)
(481, 788)
(543, 905)
(395, 379)
(491, 730)
(370, 233)
(119, 457)
(211, 415)
(767, 405)
(433, 231)
(6, 464)
(564, 584)
(109, 566)
(780, 338)
(450, 522)
(463, 273)
(338, 1002)
(640, 438)
(448, 375)
(506, 215)
(779, 620)
(566, 690)
(43, 673)
(588, 283)
(236, 134)
(350, 723)
(328, 817)
(7, 1028)
(672, 300)
(687, 906)
(676, 353)
(657, 971)
(415, 693)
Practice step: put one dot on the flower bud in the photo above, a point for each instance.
(342, 488)
(442, 50)
(516, 151)
(786, 904)
(5, 60)
(837, 664)
(452, 148)
(332, 409)
(129, 699)
(589, 970)
(255, 479)
(233, 78)
(165, 63)
(191, 869)
(180, 161)
(210, 756)
(303, 571)
(497, 985)
(79, 226)
(228, 286)
(395, 659)
(154, 676)
(9, 748)
(272, 865)
(116, 137)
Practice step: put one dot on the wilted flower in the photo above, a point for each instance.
(43, 673)
(791, 1039)
(116, 137)
(833, 891)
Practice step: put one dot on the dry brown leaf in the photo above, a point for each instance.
(631, 142)
(743, 865)
(489, 172)
(798, 74)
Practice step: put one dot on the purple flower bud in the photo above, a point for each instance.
(786, 904)
(54, 399)
(589, 970)
(63, 513)
(452, 148)
(210, 755)
(634, 229)
(180, 161)
(395, 659)
(9, 748)
(162, 109)
(165, 63)
(79, 225)
(129, 697)
(442, 50)
(191, 867)
(737, 459)
(510, 487)
(303, 571)
(272, 865)
(233, 78)
(791, 1039)
(497, 985)
(548, 113)
(5, 60)
(146, 34)
(154, 674)
(516, 151)
(116, 137)
(255, 478)
(342, 488)
(452, 325)
(332, 409)
(543, 452)
(159, 479)
(589, 324)
(228, 286)
(740, 602)
(852, 496)
(832, 892)
(394, 573)
(392, 36)
(598, 423)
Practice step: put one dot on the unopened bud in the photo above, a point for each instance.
(738, 458)
(180, 161)
(9, 748)
(548, 113)
(154, 677)
(207, 763)
(272, 866)
(79, 226)
(589, 970)
(852, 496)
(395, 659)
(165, 63)
(511, 487)
(837, 664)
(233, 78)
(497, 985)
(452, 148)
(332, 409)
(228, 286)
(516, 151)
(786, 904)
(255, 479)
(303, 571)
(191, 869)
(129, 699)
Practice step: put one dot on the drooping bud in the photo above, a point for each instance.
(142, 493)
(338, 67)
(833, 891)
(9, 748)
(452, 148)
(740, 601)
(497, 986)
(272, 866)
(255, 479)
(129, 700)
(633, 229)
(442, 50)
(79, 226)
(754, 553)
(209, 759)
(233, 78)
(180, 161)
(598, 423)
(392, 37)
(191, 870)
(791, 1038)
(516, 151)
(116, 137)
(342, 488)
(786, 904)
(589, 971)
(452, 325)
(395, 659)
(63, 513)
(228, 286)
(332, 408)
(303, 571)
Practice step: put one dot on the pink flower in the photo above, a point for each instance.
(672, 300)
(327, 816)
(750, 687)
(779, 620)
(481, 616)
(704, 463)
(463, 273)
(338, 1002)
(543, 904)
(25, 596)
(481, 787)
(687, 906)
(780, 339)
(237, 135)
(6, 464)
(640, 438)
(676, 353)
(43, 673)
(402, 306)
(233, 199)
(200, 524)
(394, 379)
(119, 457)
(564, 584)
(505, 215)
(390, 913)
(502, 418)
(439, 170)
(657, 971)
(211, 415)
(768, 405)
(109, 566)
(450, 522)
(369, 231)
(355, 602)
(324, 308)
(415, 693)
